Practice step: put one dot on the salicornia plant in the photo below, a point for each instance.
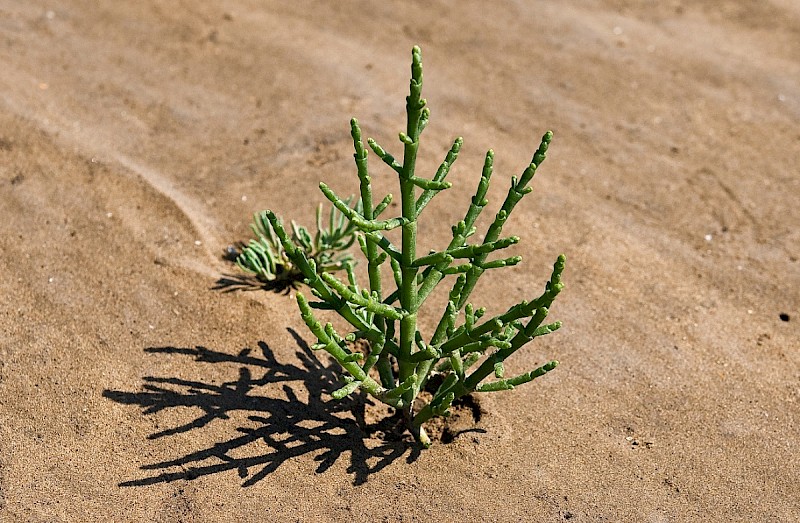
(461, 352)
(264, 256)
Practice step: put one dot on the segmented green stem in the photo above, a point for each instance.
(408, 203)
(518, 189)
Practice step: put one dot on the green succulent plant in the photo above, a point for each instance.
(467, 349)
(264, 256)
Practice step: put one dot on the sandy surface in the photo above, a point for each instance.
(136, 139)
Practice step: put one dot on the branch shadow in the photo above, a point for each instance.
(289, 425)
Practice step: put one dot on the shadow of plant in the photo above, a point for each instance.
(289, 426)
(246, 282)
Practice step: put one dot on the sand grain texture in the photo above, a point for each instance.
(136, 139)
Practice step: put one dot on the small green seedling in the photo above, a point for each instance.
(265, 258)
(465, 348)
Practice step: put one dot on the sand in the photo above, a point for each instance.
(137, 138)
